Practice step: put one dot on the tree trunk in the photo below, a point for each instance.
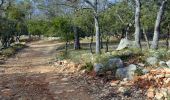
(167, 39)
(96, 18)
(97, 35)
(123, 33)
(157, 26)
(76, 39)
(91, 42)
(101, 42)
(127, 31)
(146, 38)
(137, 24)
(66, 45)
(107, 42)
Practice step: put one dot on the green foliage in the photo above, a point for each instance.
(85, 21)
(37, 27)
(139, 71)
(12, 50)
(12, 25)
(160, 54)
(88, 66)
(8, 52)
(148, 14)
(62, 27)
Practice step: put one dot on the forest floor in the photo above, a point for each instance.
(29, 75)
(33, 74)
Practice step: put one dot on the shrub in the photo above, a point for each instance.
(61, 55)
(88, 66)
(160, 54)
(12, 50)
(8, 52)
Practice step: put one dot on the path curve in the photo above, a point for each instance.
(29, 75)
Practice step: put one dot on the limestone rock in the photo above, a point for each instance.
(124, 43)
(152, 60)
(121, 73)
(115, 63)
(162, 64)
(98, 67)
(131, 71)
(168, 63)
(145, 71)
(127, 72)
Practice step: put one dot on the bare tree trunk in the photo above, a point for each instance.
(107, 42)
(96, 18)
(66, 45)
(1, 3)
(127, 31)
(157, 26)
(29, 34)
(137, 24)
(97, 34)
(91, 50)
(146, 38)
(101, 42)
(123, 33)
(167, 39)
(76, 39)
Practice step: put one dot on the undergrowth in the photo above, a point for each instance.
(11, 50)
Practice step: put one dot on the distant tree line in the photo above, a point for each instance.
(72, 19)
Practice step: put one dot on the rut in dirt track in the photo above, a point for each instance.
(29, 76)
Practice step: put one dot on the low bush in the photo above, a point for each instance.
(11, 50)
(88, 66)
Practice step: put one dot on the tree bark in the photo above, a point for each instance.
(157, 26)
(76, 39)
(167, 39)
(107, 42)
(137, 24)
(91, 50)
(146, 38)
(66, 45)
(96, 19)
(2, 2)
(127, 31)
(97, 30)
(101, 42)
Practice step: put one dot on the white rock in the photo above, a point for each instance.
(152, 60)
(124, 43)
(162, 64)
(168, 63)
(131, 71)
(131, 67)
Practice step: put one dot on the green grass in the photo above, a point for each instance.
(129, 55)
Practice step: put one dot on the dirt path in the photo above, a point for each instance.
(30, 76)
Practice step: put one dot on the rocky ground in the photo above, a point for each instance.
(33, 74)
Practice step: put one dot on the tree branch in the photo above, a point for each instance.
(88, 2)
(2, 2)
(120, 18)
